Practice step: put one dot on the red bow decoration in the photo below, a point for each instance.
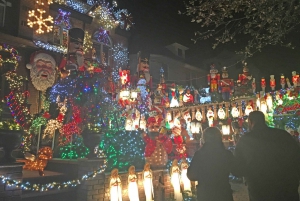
(46, 115)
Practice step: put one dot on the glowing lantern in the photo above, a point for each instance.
(263, 107)
(134, 94)
(269, 101)
(225, 129)
(248, 110)
(195, 127)
(235, 112)
(210, 117)
(125, 94)
(198, 115)
(221, 113)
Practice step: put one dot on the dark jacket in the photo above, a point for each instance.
(269, 159)
(210, 166)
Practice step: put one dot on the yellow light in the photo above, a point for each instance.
(225, 129)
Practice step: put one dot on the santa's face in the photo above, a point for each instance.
(42, 74)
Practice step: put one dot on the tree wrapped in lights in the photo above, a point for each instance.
(120, 55)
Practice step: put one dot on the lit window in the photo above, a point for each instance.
(102, 44)
(60, 35)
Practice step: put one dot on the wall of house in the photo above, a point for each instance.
(175, 71)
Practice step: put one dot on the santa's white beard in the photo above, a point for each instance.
(147, 76)
(80, 58)
(40, 83)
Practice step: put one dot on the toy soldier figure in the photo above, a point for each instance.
(213, 78)
(75, 49)
(226, 85)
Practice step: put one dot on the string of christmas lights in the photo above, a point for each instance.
(53, 185)
(50, 47)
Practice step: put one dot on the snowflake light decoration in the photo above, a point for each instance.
(36, 19)
(124, 18)
(63, 18)
(104, 16)
(102, 36)
(120, 55)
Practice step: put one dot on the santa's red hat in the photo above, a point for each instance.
(40, 55)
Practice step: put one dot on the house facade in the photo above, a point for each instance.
(66, 15)
(175, 66)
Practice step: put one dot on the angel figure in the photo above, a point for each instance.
(184, 179)
(147, 180)
(115, 186)
(175, 180)
(133, 192)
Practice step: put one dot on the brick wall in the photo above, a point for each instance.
(97, 189)
(11, 193)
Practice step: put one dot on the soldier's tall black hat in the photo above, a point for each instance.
(76, 35)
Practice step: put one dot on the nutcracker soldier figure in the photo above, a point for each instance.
(272, 82)
(282, 81)
(143, 69)
(213, 78)
(246, 76)
(263, 84)
(75, 49)
(294, 79)
(226, 85)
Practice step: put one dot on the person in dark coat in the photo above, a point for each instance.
(269, 159)
(211, 167)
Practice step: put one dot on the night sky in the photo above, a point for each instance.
(157, 24)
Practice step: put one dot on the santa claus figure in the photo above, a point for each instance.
(248, 109)
(42, 70)
(213, 78)
(188, 97)
(75, 49)
(210, 116)
(221, 113)
(226, 85)
(124, 77)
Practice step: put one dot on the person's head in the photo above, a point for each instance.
(175, 162)
(212, 135)
(131, 170)
(256, 119)
(147, 167)
(114, 173)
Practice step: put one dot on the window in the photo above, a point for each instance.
(180, 52)
(2, 14)
(60, 35)
(102, 44)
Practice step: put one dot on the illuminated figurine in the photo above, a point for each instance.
(246, 76)
(147, 181)
(75, 49)
(42, 70)
(133, 191)
(188, 97)
(295, 79)
(174, 100)
(181, 97)
(184, 179)
(263, 84)
(248, 109)
(39, 163)
(221, 113)
(272, 82)
(213, 78)
(115, 186)
(282, 81)
(226, 85)
(288, 83)
(253, 85)
(175, 180)
(210, 116)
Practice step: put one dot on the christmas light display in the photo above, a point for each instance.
(104, 16)
(37, 21)
(87, 43)
(75, 5)
(50, 47)
(12, 183)
(14, 57)
(63, 18)
(102, 36)
(120, 55)
(124, 18)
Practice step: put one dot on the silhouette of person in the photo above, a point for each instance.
(269, 159)
(211, 166)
